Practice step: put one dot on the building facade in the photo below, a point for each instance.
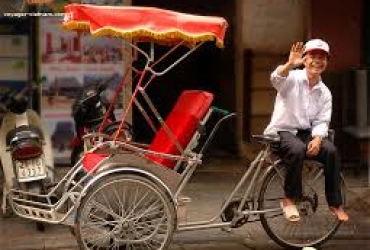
(258, 39)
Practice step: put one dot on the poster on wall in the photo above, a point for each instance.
(70, 62)
(14, 59)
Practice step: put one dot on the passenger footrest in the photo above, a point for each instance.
(38, 214)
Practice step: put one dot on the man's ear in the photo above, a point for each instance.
(303, 65)
(304, 58)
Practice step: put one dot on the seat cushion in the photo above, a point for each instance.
(189, 110)
(90, 160)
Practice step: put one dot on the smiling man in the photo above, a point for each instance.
(301, 118)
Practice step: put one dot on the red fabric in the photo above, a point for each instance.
(189, 110)
(90, 160)
(144, 23)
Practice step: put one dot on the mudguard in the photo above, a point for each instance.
(7, 125)
(131, 163)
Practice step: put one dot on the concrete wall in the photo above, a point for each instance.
(272, 26)
(268, 29)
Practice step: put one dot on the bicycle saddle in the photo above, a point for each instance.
(266, 139)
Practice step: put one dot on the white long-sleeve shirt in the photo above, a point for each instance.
(299, 107)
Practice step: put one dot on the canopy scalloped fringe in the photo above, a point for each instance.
(80, 19)
(172, 37)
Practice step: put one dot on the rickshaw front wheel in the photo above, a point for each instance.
(125, 211)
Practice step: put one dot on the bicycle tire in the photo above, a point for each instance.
(125, 211)
(317, 223)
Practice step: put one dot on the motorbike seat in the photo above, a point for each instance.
(22, 133)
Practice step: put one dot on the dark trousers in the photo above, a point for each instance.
(293, 150)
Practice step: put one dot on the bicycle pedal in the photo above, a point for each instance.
(183, 199)
(227, 229)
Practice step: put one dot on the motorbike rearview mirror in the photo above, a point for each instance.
(37, 83)
(102, 87)
(40, 81)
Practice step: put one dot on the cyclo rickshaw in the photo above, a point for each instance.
(126, 195)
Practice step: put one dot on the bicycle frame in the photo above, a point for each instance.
(255, 173)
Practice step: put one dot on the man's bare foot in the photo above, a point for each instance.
(339, 212)
(287, 201)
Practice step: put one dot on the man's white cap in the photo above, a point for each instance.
(316, 44)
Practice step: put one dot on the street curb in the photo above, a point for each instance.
(46, 243)
(21, 234)
(360, 202)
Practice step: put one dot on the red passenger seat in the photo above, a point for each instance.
(183, 120)
(91, 159)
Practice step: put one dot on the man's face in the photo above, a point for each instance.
(316, 62)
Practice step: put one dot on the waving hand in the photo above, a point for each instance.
(296, 55)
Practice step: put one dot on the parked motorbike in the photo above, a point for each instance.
(88, 113)
(25, 147)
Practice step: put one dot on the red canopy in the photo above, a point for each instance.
(145, 24)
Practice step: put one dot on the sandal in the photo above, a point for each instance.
(290, 212)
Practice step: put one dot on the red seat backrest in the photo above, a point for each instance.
(189, 110)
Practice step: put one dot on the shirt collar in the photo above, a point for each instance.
(319, 86)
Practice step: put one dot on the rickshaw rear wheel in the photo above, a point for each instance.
(316, 225)
(125, 211)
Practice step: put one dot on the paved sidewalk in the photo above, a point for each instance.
(208, 188)
(359, 191)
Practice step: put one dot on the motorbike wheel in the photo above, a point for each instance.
(33, 187)
(9, 213)
(36, 187)
(40, 226)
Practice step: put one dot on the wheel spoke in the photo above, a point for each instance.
(125, 213)
(316, 224)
